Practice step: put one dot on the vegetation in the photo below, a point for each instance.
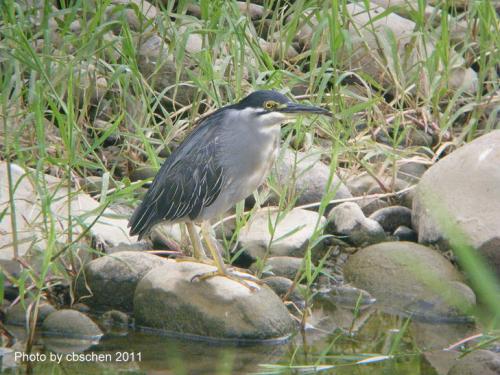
(81, 95)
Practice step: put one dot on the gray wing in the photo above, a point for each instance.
(189, 180)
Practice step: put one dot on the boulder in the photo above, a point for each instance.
(411, 279)
(480, 361)
(169, 300)
(291, 234)
(70, 323)
(461, 193)
(109, 282)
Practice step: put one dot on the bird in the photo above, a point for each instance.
(224, 160)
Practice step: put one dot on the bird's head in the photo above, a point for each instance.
(268, 107)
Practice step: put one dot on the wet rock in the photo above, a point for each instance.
(94, 184)
(480, 361)
(281, 286)
(461, 191)
(403, 233)
(16, 315)
(291, 235)
(70, 323)
(392, 217)
(411, 279)
(114, 318)
(284, 266)
(347, 296)
(138, 246)
(347, 219)
(218, 307)
(109, 282)
(309, 176)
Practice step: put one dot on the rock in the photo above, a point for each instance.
(411, 171)
(16, 315)
(291, 235)
(107, 230)
(479, 361)
(348, 220)
(308, 175)
(94, 184)
(284, 266)
(370, 49)
(217, 307)
(136, 18)
(461, 191)
(157, 64)
(114, 318)
(143, 173)
(109, 282)
(346, 296)
(403, 233)
(411, 279)
(70, 323)
(281, 286)
(366, 40)
(254, 11)
(392, 217)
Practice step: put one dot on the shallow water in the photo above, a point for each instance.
(338, 338)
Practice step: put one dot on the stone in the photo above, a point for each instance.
(143, 173)
(254, 11)
(158, 66)
(392, 217)
(346, 296)
(403, 233)
(308, 175)
(70, 323)
(409, 278)
(347, 219)
(479, 361)
(460, 194)
(291, 235)
(109, 282)
(281, 286)
(370, 49)
(137, 19)
(108, 230)
(167, 299)
(16, 315)
(115, 318)
(411, 171)
(284, 266)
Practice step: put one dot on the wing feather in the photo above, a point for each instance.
(188, 181)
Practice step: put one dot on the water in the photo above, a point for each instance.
(338, 339)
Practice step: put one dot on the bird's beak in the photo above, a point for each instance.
(294, 109)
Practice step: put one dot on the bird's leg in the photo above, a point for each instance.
(222, 270)
(198, 252)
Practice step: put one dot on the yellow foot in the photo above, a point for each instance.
(231, 274)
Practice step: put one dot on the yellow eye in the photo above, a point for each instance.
(270, 104)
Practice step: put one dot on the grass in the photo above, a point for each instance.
(64, 94)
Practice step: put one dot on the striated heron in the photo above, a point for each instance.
(225, 159)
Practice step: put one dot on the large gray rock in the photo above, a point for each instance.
(109, 282)
(291, 235)
(463, 191)
(71, 323)
(483, 362)
(411, 278)
(168, 299)
(284, 266)
(348, 220)
(308, 175)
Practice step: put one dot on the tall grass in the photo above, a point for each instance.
(56, 83)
